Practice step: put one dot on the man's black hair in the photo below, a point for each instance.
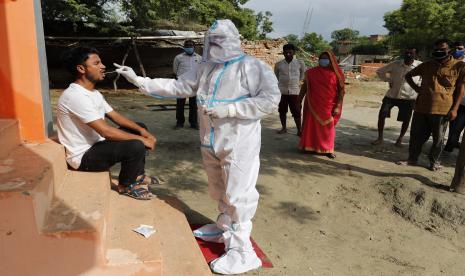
(417, 51)
(76, 56)
(289, 46)
(189, 41)
(458, 43)
(442, 41)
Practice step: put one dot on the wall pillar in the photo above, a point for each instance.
(24, 93)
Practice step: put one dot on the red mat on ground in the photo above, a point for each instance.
(212, 250)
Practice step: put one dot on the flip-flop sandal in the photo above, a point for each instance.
(136, 191)
(153, 180)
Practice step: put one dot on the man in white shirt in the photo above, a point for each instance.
(92, 144)
(181, 64)
(290, 72)
(456, 126)
(400, 93)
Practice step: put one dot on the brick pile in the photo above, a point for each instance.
(270, 51)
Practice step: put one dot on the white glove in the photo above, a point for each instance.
(222, 111)
(128, 73)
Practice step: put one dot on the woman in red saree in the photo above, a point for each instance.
(324, 91)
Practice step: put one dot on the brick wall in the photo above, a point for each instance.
(270, 51)
(369, 69)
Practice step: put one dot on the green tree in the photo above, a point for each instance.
(292, 39)
(134, 17)
(345, 34)
(420, 22)
(74, 10)
(264, 24)
(314, 43)
(147, 13)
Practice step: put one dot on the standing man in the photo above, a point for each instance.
(290, 72)
(457, 125)
(181, 64)
(400, 93)
(91, 144)
(439, 95)
(235, 92)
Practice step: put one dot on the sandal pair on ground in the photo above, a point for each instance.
(140, 189)
(432, 167)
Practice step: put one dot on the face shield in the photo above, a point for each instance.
(222, 42)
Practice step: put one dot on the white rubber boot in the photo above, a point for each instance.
(236, 262)
(240, 256)
(214, 232)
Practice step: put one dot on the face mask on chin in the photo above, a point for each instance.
(408, 58)
(440, 55)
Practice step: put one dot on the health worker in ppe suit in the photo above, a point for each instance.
(234, 92)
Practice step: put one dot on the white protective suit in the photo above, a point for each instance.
(234, 92)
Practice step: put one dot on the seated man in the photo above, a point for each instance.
(91, 144)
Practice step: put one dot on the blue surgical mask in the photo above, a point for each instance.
(324, 62)
(458, 54)
(189, 50)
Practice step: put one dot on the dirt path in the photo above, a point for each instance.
(357, 215)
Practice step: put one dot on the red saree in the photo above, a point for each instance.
(324, 93)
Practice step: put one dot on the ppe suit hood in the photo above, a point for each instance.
(222, 42)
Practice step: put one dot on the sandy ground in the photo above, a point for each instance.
(359, 214)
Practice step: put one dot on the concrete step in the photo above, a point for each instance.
(26, 194)
(9, 137)
(126, 248)
(173, 246)
(180, 251)
(80, 206)
(29, 172)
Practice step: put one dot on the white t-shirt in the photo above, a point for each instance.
(76, 107)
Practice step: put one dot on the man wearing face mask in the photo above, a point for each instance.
(234, 92)
(290, 72)
(400, 94)
(439, 95)
(181, 64)
(457, 125)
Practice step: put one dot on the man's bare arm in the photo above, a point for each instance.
(411, 82)
(458, 95)
(113, 134)
(122, 121)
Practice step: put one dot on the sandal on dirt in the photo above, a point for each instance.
(149, 180)
(435, 167)
(136, 191)
(330, 155)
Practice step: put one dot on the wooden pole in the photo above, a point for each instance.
(458, 182)
(115, 86)
(136, 52)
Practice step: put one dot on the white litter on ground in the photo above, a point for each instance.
(145, 230)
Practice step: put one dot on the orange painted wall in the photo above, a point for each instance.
(20, 83)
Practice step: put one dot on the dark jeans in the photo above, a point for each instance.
(192, 111)
(104, 154)
(455, 128)
(423, 126)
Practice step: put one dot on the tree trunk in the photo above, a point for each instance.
(458, 182)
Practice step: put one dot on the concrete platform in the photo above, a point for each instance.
(180, 251)
(9, 136)
(54, 221)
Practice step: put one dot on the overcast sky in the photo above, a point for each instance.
(328, 15)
